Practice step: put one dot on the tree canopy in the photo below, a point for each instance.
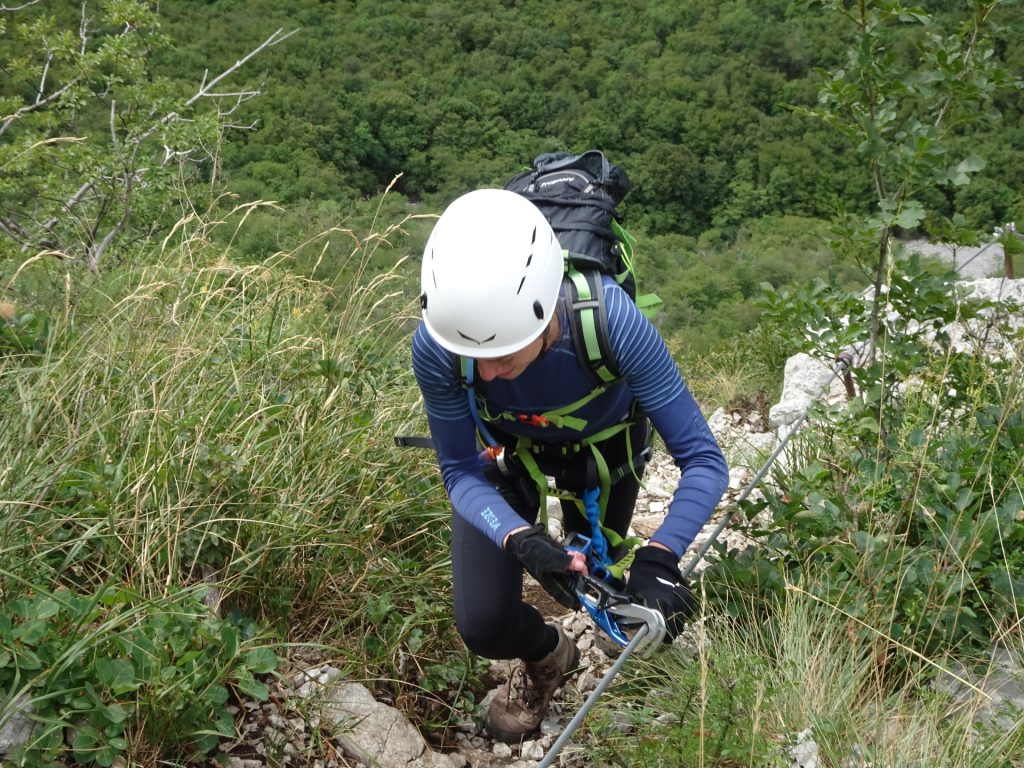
(694, 99)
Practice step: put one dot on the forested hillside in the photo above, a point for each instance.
(704, 103)
(694, 98)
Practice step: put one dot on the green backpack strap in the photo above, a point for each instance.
(588, 322)
(588, 325)
(648, 303)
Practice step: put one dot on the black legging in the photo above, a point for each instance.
(490, 614)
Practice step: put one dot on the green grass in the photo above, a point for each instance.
(748, 690)
(223, 429)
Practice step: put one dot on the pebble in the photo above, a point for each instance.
(501, 749)
(532, 750)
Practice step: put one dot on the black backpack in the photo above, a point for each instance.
(579, 195)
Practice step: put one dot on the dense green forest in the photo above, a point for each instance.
(705, 104)
(695, 99)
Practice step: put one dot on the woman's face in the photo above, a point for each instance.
(510, 366)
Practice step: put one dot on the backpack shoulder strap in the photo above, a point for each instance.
(588, 325)
(459, 368)
(464, 370)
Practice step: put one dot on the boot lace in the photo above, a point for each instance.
(522, 688)
(533, 684)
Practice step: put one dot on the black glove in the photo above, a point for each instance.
(547, 561)
(655, 581)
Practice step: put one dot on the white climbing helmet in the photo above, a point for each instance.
(492, 270)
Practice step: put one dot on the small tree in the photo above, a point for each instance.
(900, 111)
(902, 509)
(95, 148)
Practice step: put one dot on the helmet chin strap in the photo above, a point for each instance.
(552, 331)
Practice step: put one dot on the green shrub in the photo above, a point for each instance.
(125, 674)
(902, 509)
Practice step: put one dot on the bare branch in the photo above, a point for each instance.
(6, 120)
(240, 98)
(42, 79)
(239, 127)
(93, 255)
(114, 189)
(270, 42)
(42, 98)
(18, 233)
(178, 154)
(204, 88)
(83, 29)
(113, 131)
(71, 202)
(12, 8)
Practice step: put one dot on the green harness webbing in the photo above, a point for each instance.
(648, 303)
(526, 448)
(524, 451)
(588, 326)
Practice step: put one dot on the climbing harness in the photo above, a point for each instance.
(593, 501)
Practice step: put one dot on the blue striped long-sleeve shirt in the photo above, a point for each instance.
(556, 379)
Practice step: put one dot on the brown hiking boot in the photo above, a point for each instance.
(518, 707)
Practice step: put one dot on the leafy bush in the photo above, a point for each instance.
(123, 672)
(903, 509)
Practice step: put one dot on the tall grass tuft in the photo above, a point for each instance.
(213, 427)
(788, 685)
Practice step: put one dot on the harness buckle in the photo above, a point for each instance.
(533, 419)
(492, 453)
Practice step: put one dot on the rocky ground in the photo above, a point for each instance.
(971, 262)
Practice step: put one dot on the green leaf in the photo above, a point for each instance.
(216, 695)
(46, 608)
(116, 674)
(965, 497)
(229, 639)
(31, 632)
(972, 163)
(868, 424)
(914, 14)
(84, 741)
(116, 713)
(261, 660)
(961, 173)
(224, 725)
(250, 686)
(911, 215)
